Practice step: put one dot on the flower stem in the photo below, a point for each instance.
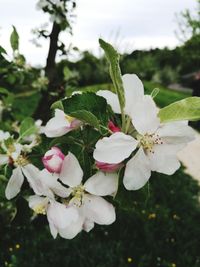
(127, 124)
(123, 120)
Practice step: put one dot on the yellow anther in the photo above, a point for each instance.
(10, 249)
(21, 161)
(173, 265)
(148, 141)
(40, 209)
(78, 193)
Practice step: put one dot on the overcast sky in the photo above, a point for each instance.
(129, 24)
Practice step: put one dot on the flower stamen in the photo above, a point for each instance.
(78, 193)
(147, 141)
(40, 209)
(21, 161)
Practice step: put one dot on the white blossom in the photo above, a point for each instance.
(13, 155)
(157, 143)
(87, 197)
(60, 124)
(63, 219)
(17, 179)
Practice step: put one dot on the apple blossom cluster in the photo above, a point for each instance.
(94, 142)
(72, 205)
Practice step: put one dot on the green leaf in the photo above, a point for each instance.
(155, 92)
(4, 91)
(115, 72)
(186, 109)
(20, 60)
(57, 105)
(27, 128)
(87, 106)
(14, 39)
(2, 187)
(66, 139)
(2, 50)
(22, 110)
(8, 142)
(87, 117)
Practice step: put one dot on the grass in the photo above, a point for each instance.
(157, 226)
(165, 96)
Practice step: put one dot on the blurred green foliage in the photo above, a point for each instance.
(166, 66)
(160, 228)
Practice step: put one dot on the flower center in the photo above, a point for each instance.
(40, 209)
(78, 193)
(148, 141)
(11, 149)
(21, 161)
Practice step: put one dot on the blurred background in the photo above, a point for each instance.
(49, 49)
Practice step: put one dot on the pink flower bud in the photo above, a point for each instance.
(106, 167)
(53, 160)
(113, 127)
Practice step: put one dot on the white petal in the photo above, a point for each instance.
(72, 230)
(35, 201)
(164, 159)
(98, 210)
(15, 183)
(111, 99)
(3, 159)
(18, 149)
(71, 173)
(48, 177)
(32, 174)
(88, 225)
(60, 215)
(114, 149)
(53, 230)
(102, 184)
(176, 133)
(144, 116)
(49, 181)
(134, 91)
(58, 125)
(3, 135)
(137, 171)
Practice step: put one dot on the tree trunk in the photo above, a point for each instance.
(43, 109)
